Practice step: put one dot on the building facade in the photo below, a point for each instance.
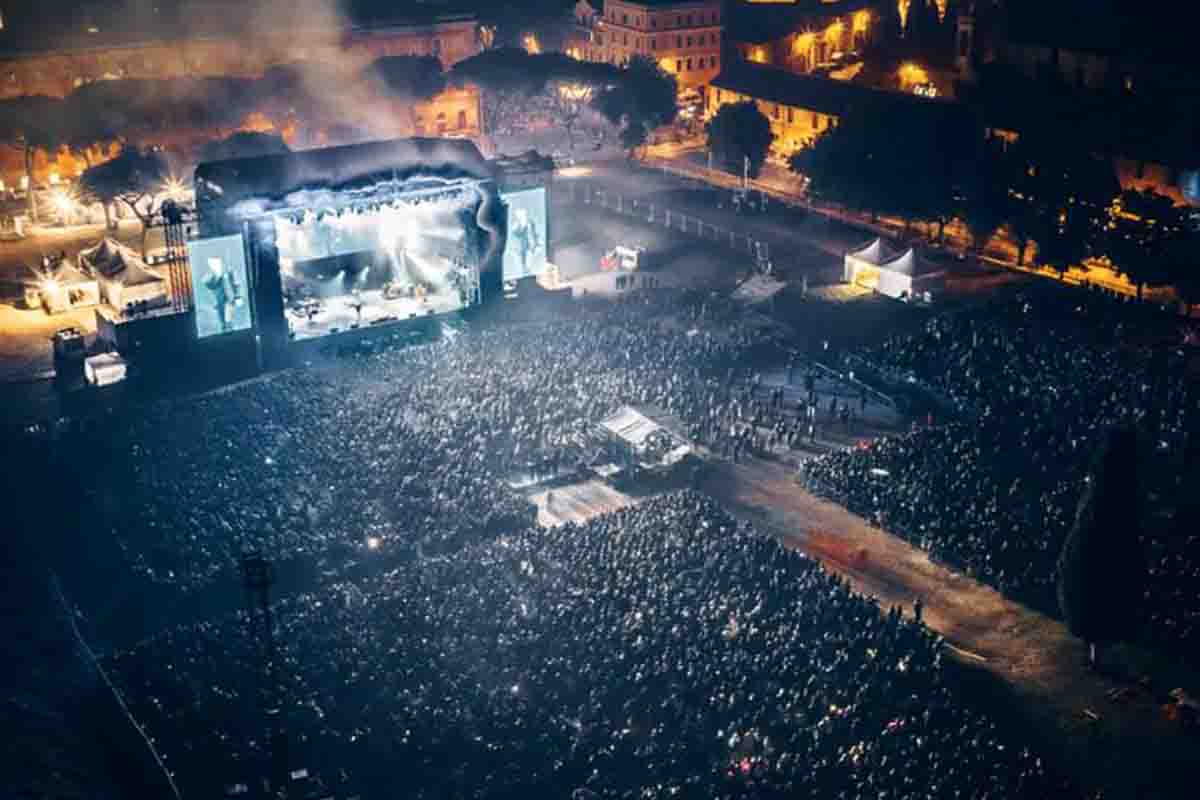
(683, 36)
(802, 36)
(56, 73)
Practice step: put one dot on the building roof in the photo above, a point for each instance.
(267, 180)
(52, 25)
(813, 93)
(759, 23)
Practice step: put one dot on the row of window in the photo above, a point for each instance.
(687, 64)
(681, 20)
(703, 40)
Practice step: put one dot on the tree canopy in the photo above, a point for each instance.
(415, 77)
(1143, 231)
(1102, 570)
(135, 175)
(737, 132)
(642, 99)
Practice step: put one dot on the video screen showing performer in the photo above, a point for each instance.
(219, 285)
(525, 245)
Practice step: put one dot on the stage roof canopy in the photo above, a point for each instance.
(265, 181)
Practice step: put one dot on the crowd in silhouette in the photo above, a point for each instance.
(663, 650)
(1034, 380)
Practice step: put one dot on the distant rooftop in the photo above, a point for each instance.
(765, 22)
(51, 25)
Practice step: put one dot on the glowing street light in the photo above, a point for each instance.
(63, 203)
(833, 34)
(912, 75)
(174, 188)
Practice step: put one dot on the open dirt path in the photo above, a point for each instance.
(1106, 732)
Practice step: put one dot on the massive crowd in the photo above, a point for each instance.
(663, 650)
(1037, 379)
(419, 445)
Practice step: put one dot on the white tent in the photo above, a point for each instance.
(104, 369)
(63, 287)
(876, 267)
(124, 278)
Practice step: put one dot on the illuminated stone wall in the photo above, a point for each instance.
(793, 127)
(810, 44)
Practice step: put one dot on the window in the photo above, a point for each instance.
(639, 44)
(462, 120)
(775, 112)
(679, 41)
(678, 21)
(678, 66)
(712, 62)
(689, 65)
(653, 43)
(689, 41)
(654, 22)
(689, 20)
(703, 39)
(624, 19)
(625, 39)
(791, 115)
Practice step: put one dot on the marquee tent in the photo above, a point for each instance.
(875, 266)
(124, 278)
(64, 287)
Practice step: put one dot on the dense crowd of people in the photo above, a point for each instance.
(1036, 379)
(399, 447)
(663, 650)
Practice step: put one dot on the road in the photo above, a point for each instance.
(1036, 674)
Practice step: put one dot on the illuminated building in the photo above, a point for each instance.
(193, 53)
(802, 35)
(683, 36)
(801, 107)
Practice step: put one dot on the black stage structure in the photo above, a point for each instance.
(350, 241)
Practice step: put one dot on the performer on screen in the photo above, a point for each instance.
(226, 294)
(526, 236)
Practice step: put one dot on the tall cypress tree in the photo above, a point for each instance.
(1102, 568)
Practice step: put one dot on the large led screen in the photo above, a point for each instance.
(525, 246)
(219, 288)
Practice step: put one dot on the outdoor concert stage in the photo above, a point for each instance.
(341, 241)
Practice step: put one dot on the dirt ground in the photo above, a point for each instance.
(1104, 728)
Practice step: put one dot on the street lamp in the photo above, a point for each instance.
(64, 204)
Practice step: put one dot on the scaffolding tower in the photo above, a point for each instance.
(257, 579)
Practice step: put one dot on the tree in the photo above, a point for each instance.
(1064, 195)
(740, 132)
(1143, 228)
(243, 144)
(1101, 569)
(858, 163)
(573, 85)
(410, 77)
(642, 99)
(507, 77)
(134, 177)
(984, 203)
(33, 123)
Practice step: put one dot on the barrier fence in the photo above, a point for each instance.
(654, 214)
